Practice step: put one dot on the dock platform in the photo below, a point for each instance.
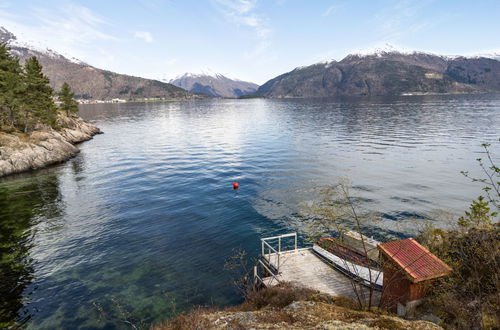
(305, 268)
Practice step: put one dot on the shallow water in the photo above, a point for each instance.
(138, 225)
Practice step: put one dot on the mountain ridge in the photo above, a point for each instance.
(387, 73)
(89, 82)
(214, 84)
(384, 71)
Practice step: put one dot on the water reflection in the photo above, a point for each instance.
(22, 204)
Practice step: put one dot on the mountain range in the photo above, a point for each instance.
(388, 73)
(89, 82)
(384, 72)
(214, 84)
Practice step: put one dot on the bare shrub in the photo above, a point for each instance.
(278, 296)
(335, 213)
(470, 297)
(194, 320)
(240, 268)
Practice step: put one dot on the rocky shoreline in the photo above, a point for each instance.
(44, 146)
(287, 306)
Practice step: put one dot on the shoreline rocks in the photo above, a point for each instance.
(44, 146)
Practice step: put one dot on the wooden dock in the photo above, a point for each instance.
(305, 268)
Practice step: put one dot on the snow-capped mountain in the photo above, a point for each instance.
(387, 49)
(388, 72)
(89, 82)
(214, 84)
(493, 55)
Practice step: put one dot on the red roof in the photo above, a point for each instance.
(416, 261)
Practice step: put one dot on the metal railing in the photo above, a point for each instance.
(257, 278)
(272, 252)
(268, 252)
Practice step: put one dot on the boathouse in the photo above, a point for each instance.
(409, 270)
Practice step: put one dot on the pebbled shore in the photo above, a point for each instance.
(44, 146)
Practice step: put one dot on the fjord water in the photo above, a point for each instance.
(137, 227)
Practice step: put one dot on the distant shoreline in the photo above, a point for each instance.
(252, 97)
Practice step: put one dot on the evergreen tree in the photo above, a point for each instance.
(38, 105)
(66, 97)
(478, 216)
(25, 94)
(10, 87)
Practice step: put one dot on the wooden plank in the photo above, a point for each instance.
(304, 268)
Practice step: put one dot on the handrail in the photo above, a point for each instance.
(270, 247)
(267, 256)
(264, 265)
(264, 244)
(256, 276)
(279, 237)
(274, 276)
(282, 236)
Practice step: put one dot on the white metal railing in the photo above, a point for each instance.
(267, 256)
(257, 278)
(271, 252)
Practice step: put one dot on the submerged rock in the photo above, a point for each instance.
(44, 146)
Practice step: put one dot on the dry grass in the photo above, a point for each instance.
(386, 323)
(282, 295)
(289, 307)
(195, 320)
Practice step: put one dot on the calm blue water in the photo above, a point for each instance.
(137, 226)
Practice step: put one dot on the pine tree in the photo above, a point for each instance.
(10, 87)
(478, 216)
(66, 97)
(38, 105)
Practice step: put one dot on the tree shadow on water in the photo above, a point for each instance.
(22, 204)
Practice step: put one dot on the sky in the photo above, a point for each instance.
(252, 40)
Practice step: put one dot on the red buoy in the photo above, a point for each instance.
(235, 185)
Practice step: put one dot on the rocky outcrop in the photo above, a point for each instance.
(44, 146)
(297, 315)
(287, 306)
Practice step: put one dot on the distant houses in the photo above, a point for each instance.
(87, 101)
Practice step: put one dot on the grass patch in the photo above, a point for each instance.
(192, 320)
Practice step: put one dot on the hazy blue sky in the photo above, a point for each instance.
(247, 39)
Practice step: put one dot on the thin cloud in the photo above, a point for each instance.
(403, 19)
(239, 6)
(4, 6)
(259, 50)
(72, 30)
(243, 13)
(72, 24)
(144, 35)
(105, 57)
(330, 10)
(170, 61)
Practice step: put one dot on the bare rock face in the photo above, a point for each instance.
(44, 146)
